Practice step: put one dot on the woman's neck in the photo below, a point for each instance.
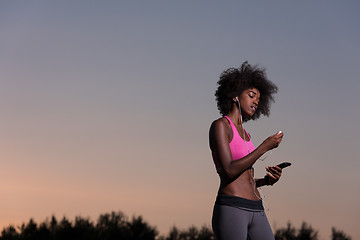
(235, 116)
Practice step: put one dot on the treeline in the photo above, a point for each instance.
(306, 232)
(110, 226)
(116, 225)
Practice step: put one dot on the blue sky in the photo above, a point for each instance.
(106, 106)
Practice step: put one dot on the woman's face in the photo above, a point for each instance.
(249, 101)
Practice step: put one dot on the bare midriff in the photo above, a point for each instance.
(243, 186)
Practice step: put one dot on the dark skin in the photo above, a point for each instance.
(237, 175)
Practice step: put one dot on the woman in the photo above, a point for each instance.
(242, 94)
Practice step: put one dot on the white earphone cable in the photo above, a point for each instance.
(251, 173)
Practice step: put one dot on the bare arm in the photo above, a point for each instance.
(272, 176)
(219, 143)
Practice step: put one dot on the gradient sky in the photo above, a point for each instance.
(106, 106)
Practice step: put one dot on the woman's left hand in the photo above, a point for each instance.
(273, 174)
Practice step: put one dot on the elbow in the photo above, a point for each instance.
(229, 174)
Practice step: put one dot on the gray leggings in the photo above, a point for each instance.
(232, 223)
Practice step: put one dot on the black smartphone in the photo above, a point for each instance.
(284, 165)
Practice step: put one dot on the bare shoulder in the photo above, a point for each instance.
(220, 132)
(220, 125)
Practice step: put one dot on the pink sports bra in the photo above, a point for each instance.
(238, 146)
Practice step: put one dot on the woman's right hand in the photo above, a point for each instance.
(273, 141)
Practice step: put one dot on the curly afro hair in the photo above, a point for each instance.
(234, 81)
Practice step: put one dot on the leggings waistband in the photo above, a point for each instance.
(239, 202)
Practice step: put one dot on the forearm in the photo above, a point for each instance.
(262, 182)
(237, 167)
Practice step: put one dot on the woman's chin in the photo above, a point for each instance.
(247, 116)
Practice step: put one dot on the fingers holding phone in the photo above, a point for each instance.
(273, 174)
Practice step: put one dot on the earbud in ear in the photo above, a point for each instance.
(236, 99)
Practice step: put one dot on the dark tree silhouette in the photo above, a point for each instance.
(84, 229)
(338, 235)
(64, 230)
(189, 234)
(115, 225)
(9, 233)
(29, 231)
(306, 232)
(192, 233)
(140, 230)
(174, 234)
(205, 233)
(43, 232)
(288, 233)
